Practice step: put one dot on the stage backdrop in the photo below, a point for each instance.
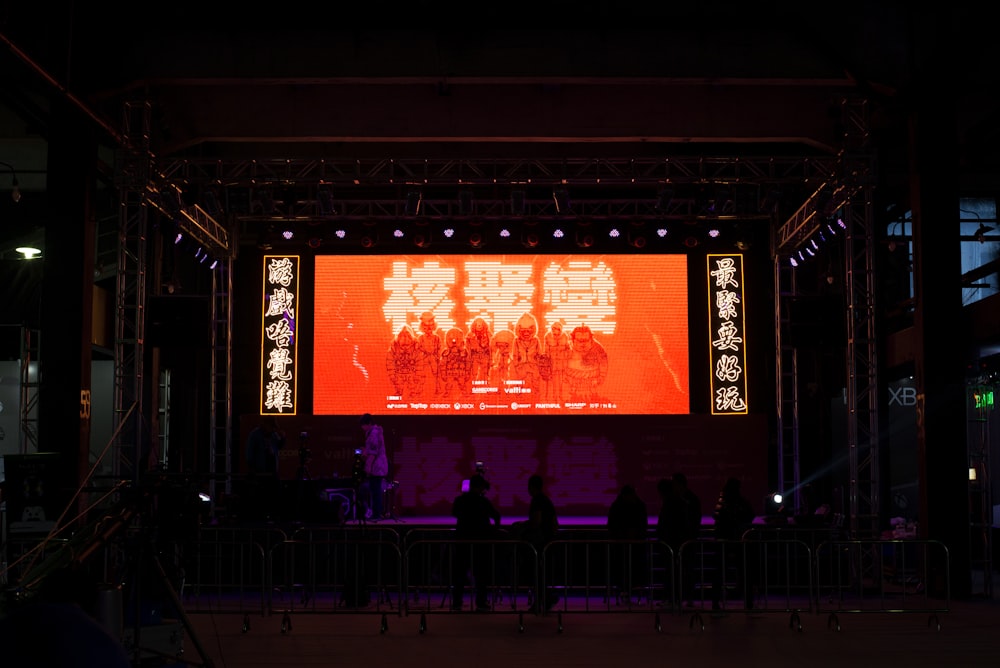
(501, 334)
(584, 459)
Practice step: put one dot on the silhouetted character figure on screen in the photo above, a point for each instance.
(628, 520)
(733, 515)
(679, 521)
(539, 529)
(476, 518)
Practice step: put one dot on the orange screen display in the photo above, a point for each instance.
(501, 334)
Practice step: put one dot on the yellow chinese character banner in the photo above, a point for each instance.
(279, 335)
(500, 334)
(727, 334)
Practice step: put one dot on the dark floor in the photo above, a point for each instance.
(968, 634)
(930, 632)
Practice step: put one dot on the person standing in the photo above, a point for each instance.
(263, 444)
(263, 498)
(679, 521)
(628, 521)
(376, 464)
(476, 519)
(540, 528)
(733, 515)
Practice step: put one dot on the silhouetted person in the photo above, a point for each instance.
(628, 520)
(476, 518)
(540, 528)
(733, 515)
(679, 521)
(376, 465)
(263, 445)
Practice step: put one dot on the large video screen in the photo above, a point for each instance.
(501, 334)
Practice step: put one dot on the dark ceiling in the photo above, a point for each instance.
(440, 82)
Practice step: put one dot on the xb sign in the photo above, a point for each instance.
(903, 396)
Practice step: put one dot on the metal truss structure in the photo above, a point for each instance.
(690, 188)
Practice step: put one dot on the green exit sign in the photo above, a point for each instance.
(983, 399)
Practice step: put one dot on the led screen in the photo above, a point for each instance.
(501, 334)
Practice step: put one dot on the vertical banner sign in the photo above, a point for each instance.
(279, 340)
(727, 334)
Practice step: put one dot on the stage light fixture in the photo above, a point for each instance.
(28, 252)
(368, 241)
(636, 239)
(518, 202)
(414, 199)
(504, 233)
(340, 233)
(398, 233)
(448, 232)
(315, 242)
(558, 233)
(179, 238)
(742, 244)
(691, 241)
(661, 232)
(422, 239)
(288, 234)
(529, 240)
(792, 261)
(476, 240)
(613, 233)
(714, 232)
(584, 240)
(215, 263)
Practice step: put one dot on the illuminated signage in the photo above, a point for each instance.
(727, 334)
(279, 340)
(501, 334)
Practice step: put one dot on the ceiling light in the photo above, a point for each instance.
(28, 251)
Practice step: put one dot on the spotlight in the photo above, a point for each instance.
(690, 242)
(340, 234)
(792, 261)
(584, 240)
(530, 240)
(449, 232)
(476, 240)
(613, 233)
(288, 234)
(504, 233)
(398, 233)
(367, 241)
(558, 233)
(422, 240)
(661, 232)
(636, 240)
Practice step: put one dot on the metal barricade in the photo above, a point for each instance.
(343, 575)
(589, 575)
(882, 576)
(225, 569)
